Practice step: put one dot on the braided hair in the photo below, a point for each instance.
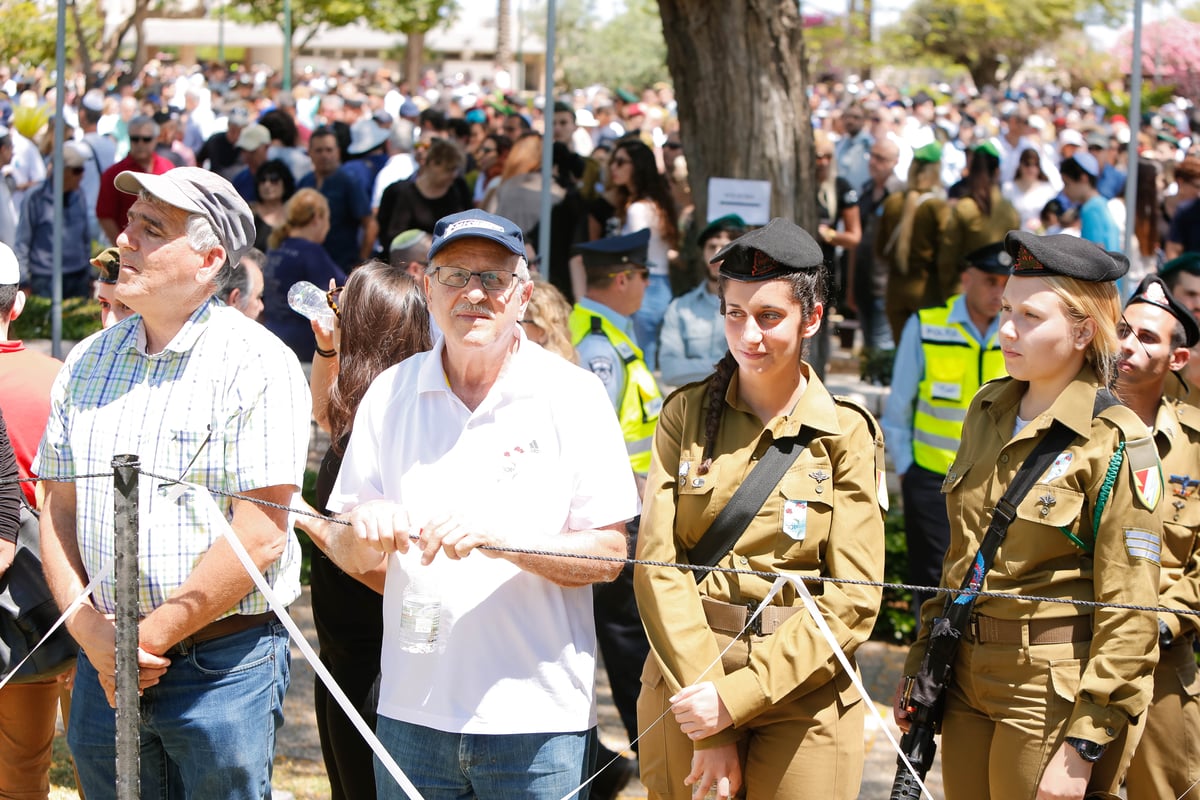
(808, 289)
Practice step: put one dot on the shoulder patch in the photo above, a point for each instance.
(881, 492)
(1146, 471)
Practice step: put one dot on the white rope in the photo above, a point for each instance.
(385, 758)
(815, 613)
(76, 603)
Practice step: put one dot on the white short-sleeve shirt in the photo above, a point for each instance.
(541, 455)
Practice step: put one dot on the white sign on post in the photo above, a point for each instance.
(750, 200)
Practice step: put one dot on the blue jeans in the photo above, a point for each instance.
(647, 320)
(459, 766)
(208, 727)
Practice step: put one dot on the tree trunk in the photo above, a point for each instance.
(983, 71)
(739, 74)
(83, 54)
(414, 54)
(504, 39)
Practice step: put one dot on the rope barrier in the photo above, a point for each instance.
(770, 576)
(177, 486)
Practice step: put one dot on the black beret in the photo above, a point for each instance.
(1063, 254)
(780, 248)
(616, 251)
(1153, 291)
(991, 258)
(730, 223)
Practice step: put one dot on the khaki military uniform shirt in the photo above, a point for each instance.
(1038, 559)
(1177, 434)
(823, 519)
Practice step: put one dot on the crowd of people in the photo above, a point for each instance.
(480, 394)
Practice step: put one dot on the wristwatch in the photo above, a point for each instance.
(1088, 750)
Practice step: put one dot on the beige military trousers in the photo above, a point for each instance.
(1166, 763)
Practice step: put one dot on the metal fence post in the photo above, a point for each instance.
(125, 482)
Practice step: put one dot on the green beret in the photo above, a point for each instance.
(930, 153)
(1188, 262)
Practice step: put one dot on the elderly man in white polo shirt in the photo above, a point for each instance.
(486, 440)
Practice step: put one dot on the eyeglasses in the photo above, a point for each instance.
(271, 179)
(141, 139)
(333, 297)
(824, 156)
(643, 272)
(619, 161)
(76, 170)
(672, 146)
(492, 280)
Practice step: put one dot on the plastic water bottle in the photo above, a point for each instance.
(420, 613)
(308, 301)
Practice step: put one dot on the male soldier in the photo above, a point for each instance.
(485, 440)
(946, 353)
(203, 396)
(602, 332)
(1155, 335)
(1182, 276)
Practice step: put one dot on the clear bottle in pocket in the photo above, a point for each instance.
(420, 613)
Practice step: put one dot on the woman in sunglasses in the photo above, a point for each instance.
(297, 255)
(274, 185)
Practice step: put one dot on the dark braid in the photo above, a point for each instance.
(718, 385)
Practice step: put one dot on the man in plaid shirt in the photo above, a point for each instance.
(204, 396)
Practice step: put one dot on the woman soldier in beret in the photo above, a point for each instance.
(1044, 693)
(777, 716)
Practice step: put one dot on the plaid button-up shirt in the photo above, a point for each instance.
(225, 405)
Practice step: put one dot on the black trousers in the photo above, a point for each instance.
(621, 637)
(926, 530)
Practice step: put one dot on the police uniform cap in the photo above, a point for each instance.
(616, 251)
(732, 224)
(929, 153)
(1188, 262)
(1153, 291)
(1062, 254)
(991, 258)
(780, 248)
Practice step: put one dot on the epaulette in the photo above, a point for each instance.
(1141, 454)
(1187, 414)
(881, 493)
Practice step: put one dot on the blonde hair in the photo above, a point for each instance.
(1099, 302)
(304, 206)
(550, 311)
(924, 179)
(525, 156)
(827, 191)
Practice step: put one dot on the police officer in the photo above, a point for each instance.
(777, 715)
(1043, 694)
(946, 353)
(602, 333)
(1156, 334)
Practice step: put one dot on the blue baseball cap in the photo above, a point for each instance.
(1087, 162)
(476, 224)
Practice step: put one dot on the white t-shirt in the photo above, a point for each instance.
(542, 454)
(644, 214)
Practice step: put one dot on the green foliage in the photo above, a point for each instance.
(875, 365)
(626, 50)
(28, 30)
(1117, 101)
(311, 16)
(990, 37)
(895, 623)
(80, 319)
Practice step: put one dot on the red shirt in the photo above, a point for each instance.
(26, 377)
(114, 204)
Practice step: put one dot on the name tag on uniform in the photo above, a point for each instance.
(795, 519)
(946, 391)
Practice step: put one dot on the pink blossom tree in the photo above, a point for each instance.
(1170, 54)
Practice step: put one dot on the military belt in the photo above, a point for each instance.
(1052, 630)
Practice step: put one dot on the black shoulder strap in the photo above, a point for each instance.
(1056, 439)
(735, 517)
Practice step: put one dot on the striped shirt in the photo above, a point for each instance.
(224, 405)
